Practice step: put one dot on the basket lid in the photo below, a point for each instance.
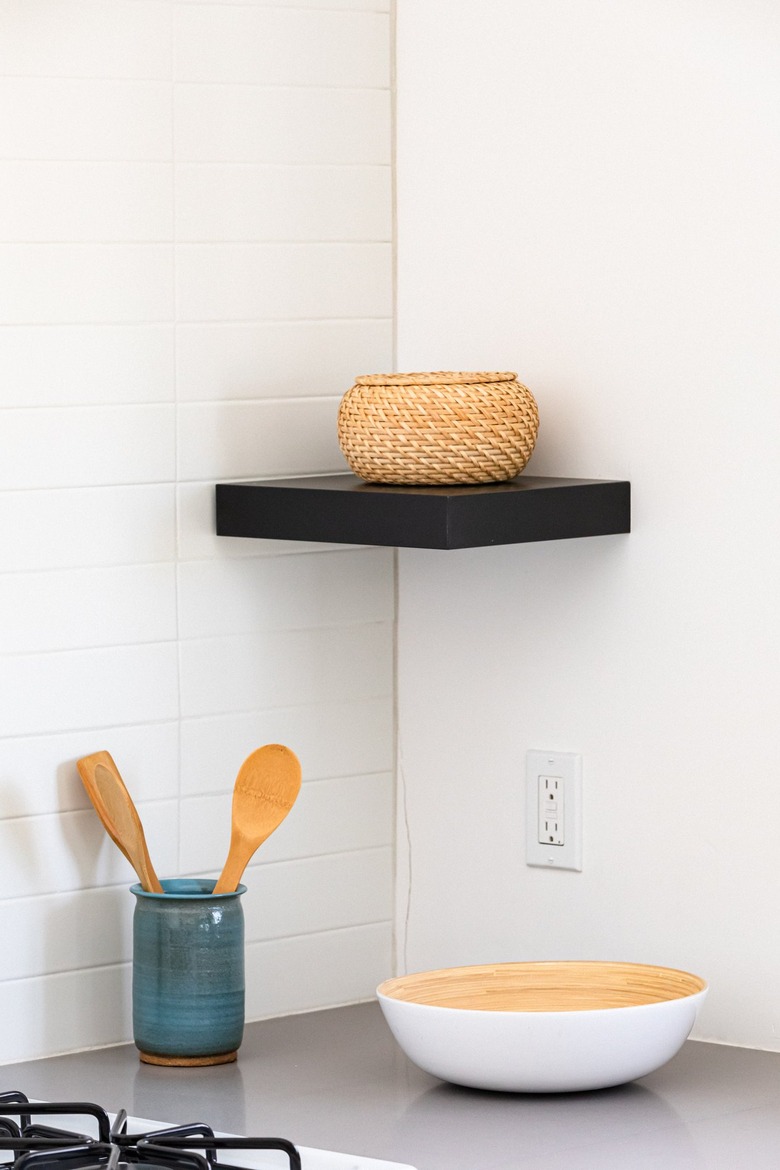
(435, 378)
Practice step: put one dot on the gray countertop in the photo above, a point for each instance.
(336, 1080)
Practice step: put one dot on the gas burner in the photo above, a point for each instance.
(78, 1135)
(33, 1145)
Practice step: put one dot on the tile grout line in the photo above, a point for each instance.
(176, 440)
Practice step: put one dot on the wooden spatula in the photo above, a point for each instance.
(266, 788)
(114, 805)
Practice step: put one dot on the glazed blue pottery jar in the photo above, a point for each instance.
(188, 973)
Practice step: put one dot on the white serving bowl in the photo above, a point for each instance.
(556, 1027)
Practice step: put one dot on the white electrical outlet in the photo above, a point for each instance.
(553, 785)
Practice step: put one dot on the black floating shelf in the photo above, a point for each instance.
(342, 509)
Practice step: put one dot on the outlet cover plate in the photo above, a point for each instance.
(566, 768)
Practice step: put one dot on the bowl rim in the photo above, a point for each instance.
(390, 989)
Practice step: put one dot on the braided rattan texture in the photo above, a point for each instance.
(438, 428)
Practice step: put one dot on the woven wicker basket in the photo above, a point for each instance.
(437, 428)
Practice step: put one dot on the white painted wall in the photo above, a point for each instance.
(195, 226)
(588, 194)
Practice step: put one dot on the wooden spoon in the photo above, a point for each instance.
(114, 805)
(266, 787)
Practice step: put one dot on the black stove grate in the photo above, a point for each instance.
(27, 1143)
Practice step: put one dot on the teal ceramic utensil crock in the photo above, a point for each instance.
(188, 973)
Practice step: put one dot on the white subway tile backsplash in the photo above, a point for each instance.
(234, 282)
(66, 1012)
(284, 668)
(342, 588)
(205, 831)
(255, 439)
(85, 38)
(72, 527)
(43, 693)
(350, 964)
(38, 773)
(249, 202)
(318, 893)
(277, 46)
(71, 608)
(79, 446)
(195, 262)
(350, 738)
(279, 359)
(334, 816)
(49, 934)
(61, 283)
(235, 123)
(67, 365)
(329, 816)
(94, 201)
(61, 118)
(72, 851)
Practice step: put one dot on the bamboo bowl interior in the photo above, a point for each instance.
(543, 987)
